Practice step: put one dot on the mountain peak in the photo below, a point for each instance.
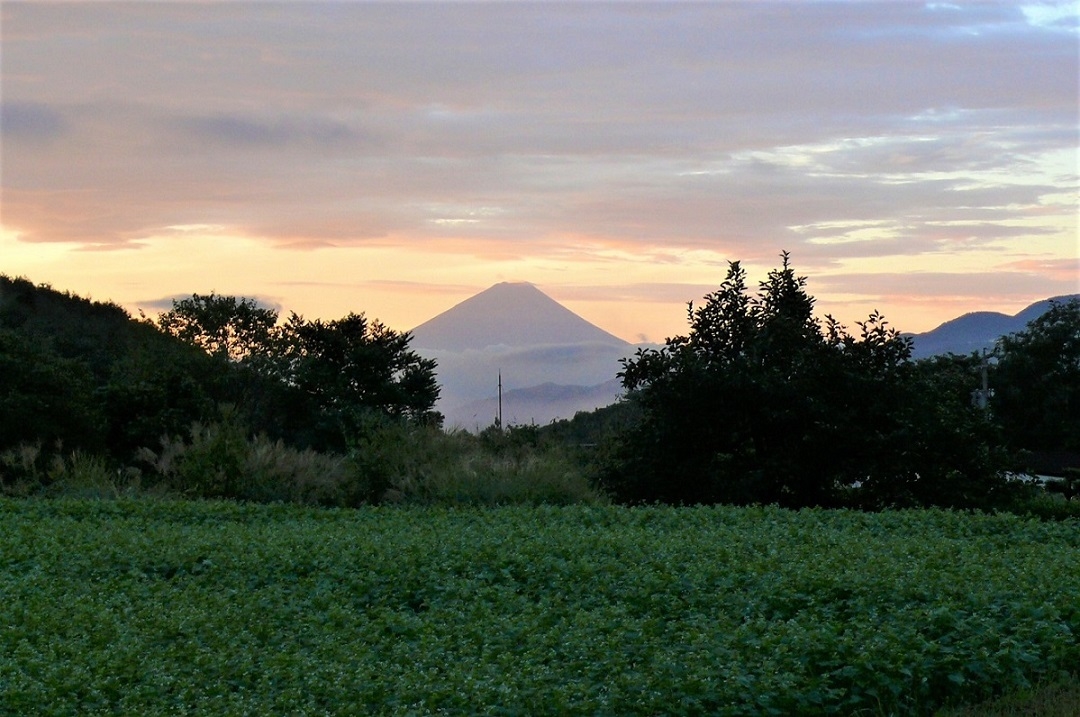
(977, 330)
(508, 314)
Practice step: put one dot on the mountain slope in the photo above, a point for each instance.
(508, 314)
(536, 404)
(552, 362)
(978, 330)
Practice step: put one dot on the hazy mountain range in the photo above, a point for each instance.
(978, 330)
(553, 363)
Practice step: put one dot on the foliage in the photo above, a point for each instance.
(83, 375)
(760, 403)
(219, 460)
(389, 461)
(498, 467)
(353, 367)
(591, 429)
(1056, 699)
(94, 333)
(938, 448)
(234, 329)
(45, 398)
(155, 607)
(310, 382)
(1037, 381)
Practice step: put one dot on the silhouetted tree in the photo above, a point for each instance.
(353, 367)
(760, 403)
(309, 382)
(237, 329)
(45, 399)
(100, 380)
(1037, 382)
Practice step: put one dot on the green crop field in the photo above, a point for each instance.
(159, 607)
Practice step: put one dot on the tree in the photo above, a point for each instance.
(728, 410)
(234, 329)
(1037, 381)
(312, 383)
(86, 374)
(45, 399)
(351, 368)
(159, 389)
(760, 403)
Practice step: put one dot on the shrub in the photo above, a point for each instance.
(219, 460)
(423, 464)
(22, 469)
(389, 460)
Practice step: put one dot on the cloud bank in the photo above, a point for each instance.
(866, 138)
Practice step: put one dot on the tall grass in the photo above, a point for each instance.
(1057, 699)
(30, 470)
(387, 462)
(463, 469)
(220, 461)
(429, 466)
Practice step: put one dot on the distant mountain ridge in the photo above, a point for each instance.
(540, 404)
(977, 330)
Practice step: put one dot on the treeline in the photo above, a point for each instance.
(760, 403)
(88, 376)
(218, 398)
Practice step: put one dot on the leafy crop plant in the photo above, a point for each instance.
(167, 607)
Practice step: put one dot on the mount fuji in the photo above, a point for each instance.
(508, 314)
(551, 362)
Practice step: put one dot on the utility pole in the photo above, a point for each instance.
(981, 397)
(499, 419)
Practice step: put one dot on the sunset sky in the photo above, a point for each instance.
(916, 158)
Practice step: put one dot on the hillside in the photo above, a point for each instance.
(85, 375)
(977, 330)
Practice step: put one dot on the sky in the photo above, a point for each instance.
(920, 159)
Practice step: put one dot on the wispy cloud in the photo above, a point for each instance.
(30, 121)
(239, 131)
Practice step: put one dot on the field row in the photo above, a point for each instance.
(171, 607)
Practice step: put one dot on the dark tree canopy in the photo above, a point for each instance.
(312, 382)
(760, 403)
(352, 366)
(82, 375)
(235, 329)
(1037, 382)
(45, 398)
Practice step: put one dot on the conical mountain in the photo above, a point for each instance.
(508, 314)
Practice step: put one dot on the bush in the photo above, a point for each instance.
(423, 464)
(388, 461)
(27, 470)
(219, 460)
